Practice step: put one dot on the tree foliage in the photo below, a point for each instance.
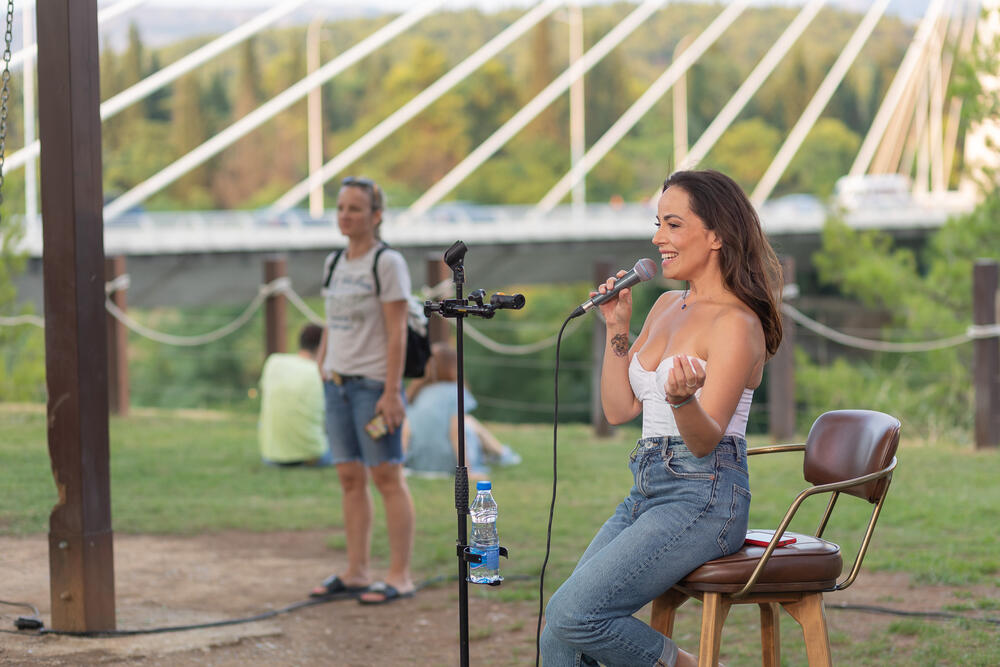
(923, 300)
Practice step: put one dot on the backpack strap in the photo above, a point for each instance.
(333, 264)
(378, 253)
(336, 258)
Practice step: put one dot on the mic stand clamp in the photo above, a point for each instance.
(458, 309)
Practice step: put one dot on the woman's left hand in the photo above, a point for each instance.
(685, 378)
(390, 406)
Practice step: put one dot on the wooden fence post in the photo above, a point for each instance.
(986, 355)
(118, 385)
(275, 307)
(438, 329)
(602, 428)
(781, 372)
(81, 554)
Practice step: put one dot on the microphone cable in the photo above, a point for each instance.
(552, 505)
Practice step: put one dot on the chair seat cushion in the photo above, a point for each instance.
(808, 564)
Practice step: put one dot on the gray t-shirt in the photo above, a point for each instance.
(356, 332)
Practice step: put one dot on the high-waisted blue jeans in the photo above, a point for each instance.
(681, 512)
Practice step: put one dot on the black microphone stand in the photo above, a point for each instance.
(460, 308)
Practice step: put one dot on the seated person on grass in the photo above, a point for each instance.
(291, 430)
(430, 432)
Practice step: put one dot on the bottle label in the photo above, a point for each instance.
(490, 558)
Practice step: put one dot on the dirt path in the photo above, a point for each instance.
(170, 581)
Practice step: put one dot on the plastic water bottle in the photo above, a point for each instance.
(485, 541)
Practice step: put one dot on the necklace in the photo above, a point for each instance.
(684, 299)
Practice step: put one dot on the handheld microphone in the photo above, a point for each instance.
(643, 270)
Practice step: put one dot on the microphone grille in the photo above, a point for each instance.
(645, 268)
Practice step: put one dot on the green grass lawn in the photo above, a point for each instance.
(196, 473)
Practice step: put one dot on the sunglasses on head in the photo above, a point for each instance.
(367, 184)
(361, 182)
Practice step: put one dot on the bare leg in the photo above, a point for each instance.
(400, 522)
(358, 512)
(490, 443)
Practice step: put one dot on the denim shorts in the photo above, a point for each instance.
(349, 406)
(682, 511)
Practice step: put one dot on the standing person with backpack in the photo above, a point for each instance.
(361, 358)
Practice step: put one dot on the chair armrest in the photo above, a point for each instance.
(833, 487)
(776, 449)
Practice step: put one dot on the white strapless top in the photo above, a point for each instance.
(658, 416)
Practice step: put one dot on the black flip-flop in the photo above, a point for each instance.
(334, 587)
(388, 592)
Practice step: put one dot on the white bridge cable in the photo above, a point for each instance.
(818, 102)
(534, 107)
(164, 76)
(266, 111)
(911, 59)
(406, 112)
(751, 85)
(639, 108)
(103, 15)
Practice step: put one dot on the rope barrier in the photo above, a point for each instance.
(22, 319)
(973, 332)
(283, 286)
(512, 350)
(277, 285)
(301, 305)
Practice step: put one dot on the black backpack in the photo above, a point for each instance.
(418, 344)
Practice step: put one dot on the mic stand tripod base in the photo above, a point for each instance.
(469, 556)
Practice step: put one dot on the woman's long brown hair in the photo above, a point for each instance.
(750, 269)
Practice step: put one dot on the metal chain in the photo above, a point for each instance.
(5, 89)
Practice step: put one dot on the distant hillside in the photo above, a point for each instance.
(161, 25)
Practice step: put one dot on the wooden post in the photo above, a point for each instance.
(81, 569)
(275, 308)
(602, 428)
(781, 373)
(438, 329)
(986, 355)
(118, 386)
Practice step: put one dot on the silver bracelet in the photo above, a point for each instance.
(682, 403)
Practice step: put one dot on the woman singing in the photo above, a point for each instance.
(691, 373)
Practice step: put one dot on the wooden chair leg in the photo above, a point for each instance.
(662, 619)
(770, 634)
(810, 613)
(713, 615)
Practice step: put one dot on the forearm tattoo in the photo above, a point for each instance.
(619, 343)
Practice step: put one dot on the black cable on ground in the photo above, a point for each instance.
(32, 622)
(941, 615)
(211, 624)
(193, 626)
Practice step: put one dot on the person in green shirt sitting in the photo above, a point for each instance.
(291, 430)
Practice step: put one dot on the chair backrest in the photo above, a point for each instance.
(843, 444)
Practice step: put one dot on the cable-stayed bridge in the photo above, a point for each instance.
(913, 135)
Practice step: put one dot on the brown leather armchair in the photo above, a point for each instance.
(847, 451)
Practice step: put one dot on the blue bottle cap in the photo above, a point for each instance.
(484, 485)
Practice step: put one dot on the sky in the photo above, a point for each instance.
(910, 9)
